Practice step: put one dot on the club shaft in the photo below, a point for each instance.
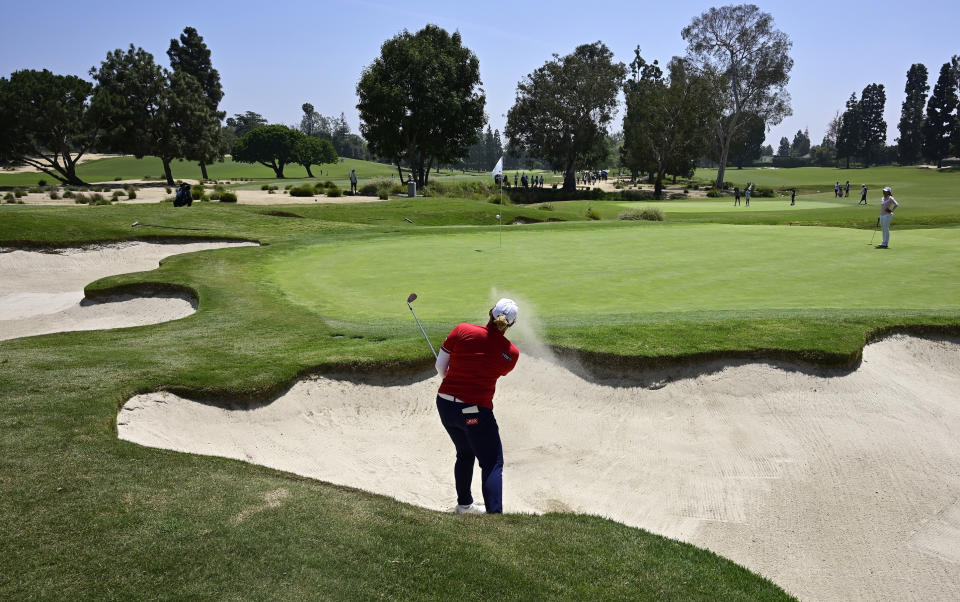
(422, 330)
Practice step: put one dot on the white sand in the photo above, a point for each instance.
(42, 293)
(842, 487)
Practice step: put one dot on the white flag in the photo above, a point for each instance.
(498, 169)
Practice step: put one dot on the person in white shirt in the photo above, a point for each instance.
(887, 207)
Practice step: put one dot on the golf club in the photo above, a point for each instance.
(874, 232)
(411, 299)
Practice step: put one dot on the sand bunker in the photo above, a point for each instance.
(42, 293)
(835, 487)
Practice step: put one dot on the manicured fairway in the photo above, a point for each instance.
(604, 275)
(726, 204)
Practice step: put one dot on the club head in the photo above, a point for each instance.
(412, 298)
(134, 224)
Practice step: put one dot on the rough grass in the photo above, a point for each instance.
(84, 515)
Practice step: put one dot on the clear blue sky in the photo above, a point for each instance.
(273, 57)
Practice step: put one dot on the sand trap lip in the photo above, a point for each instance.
(842, 487)
(42, 292)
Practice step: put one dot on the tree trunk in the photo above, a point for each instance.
(166, 170)
(309, 173)
(569, 178)
(203, 170)
(721, 169)
(658, 185)
(278, 169)
(400, 171)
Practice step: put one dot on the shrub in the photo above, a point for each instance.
(9, 197)
(80, 199)
(329, 184)
(398, 189)
(764, 193)
(198, 192)
(18, 192)
(546, 207)
(334, 191)
(168, 190)
(116, 194)
(214, 196)
(68, 194)
(383, 196)
(54, 196)
(677, 195)
(288, 187)
(132, 195)
(302, 190)
(271, 191)
(636, 195)
(41, 182)
(98, 199)
(713, 193)
(117, 179)
(228, 197)
(592, 214)
(264, 187)
(652, 214)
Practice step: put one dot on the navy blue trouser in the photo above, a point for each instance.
(476, 436)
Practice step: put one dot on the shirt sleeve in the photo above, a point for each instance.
(450, 344)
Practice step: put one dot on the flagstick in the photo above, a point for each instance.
(500, 214)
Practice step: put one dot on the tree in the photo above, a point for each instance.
(747, 145)
(243, 123)
(668, 121)
(941, 122)
(801, 144)
(563, 108)
(46, 122)
(848, 133)
(741, 45)
(910, 142)
(420, 101)
(784, 149)
(147, 110)
(312, 122)
(313, 151)
(766, 151)
(873, 128)
(273, 146)
(191, 56)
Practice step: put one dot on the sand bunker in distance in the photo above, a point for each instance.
(835, 487)
(42, 293)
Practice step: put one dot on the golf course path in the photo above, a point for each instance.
(42, 292)
(836, 487)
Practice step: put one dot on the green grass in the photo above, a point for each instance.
(84, 515)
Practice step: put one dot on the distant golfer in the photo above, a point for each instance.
(736, 196)
(863, 194)
(793, 196)
(886, 215)
(746, 193)
(353, 181)
(470, 362)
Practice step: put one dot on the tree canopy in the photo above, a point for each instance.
(190, 56)
(273, 146)
(668, 120)
(740, 44)
(941, 123)
(309, 150)
(46, 122)
(562, 109)
(420, 101)
(910, 142)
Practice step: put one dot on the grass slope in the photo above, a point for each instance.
(84, 515)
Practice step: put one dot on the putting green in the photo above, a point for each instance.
(726, 204)
(596, 274)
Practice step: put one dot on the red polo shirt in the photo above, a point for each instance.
(479, 355)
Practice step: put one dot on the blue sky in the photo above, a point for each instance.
(273, 57)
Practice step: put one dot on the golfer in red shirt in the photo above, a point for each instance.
(470, 362)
